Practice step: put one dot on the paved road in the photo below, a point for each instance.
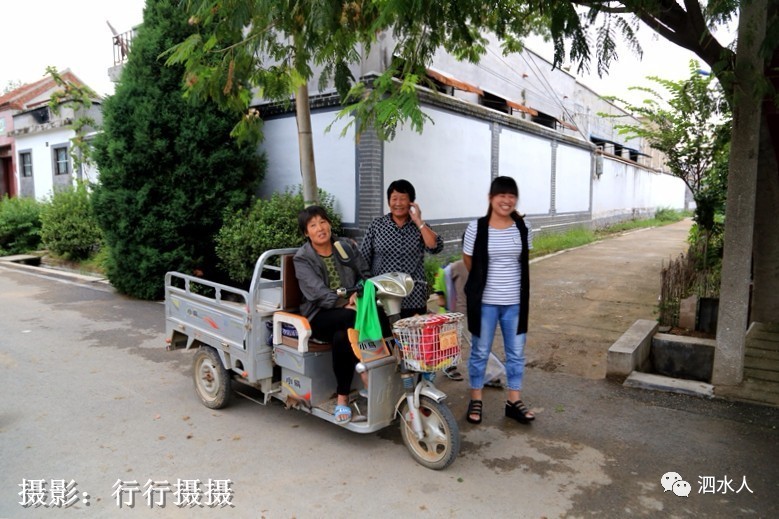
(91, 395)
(582, 300)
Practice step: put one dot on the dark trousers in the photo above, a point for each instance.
(330, 325)
(410, 312)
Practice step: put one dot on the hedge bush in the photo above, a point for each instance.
(269, 224)
(20, 225)
(169, 169)
(68, 225)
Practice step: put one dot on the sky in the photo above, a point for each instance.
(63, 33)
(73, 34)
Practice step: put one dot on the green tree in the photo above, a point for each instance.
(276, 46)
(240, 45)
(80, 99)
(689, 121)
(582, 31)
(169, 169)
(11, 85)
(747, 75)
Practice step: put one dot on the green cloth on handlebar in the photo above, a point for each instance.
(367, 320)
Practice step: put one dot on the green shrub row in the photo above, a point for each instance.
(268, 224)
(64, 224)
(68, 225)
(20, 225)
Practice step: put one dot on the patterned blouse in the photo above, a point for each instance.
(389, 248)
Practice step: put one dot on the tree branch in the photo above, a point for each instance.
(688, 29)
(604, 6)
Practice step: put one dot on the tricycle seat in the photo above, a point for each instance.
(291, 298)
(304, 342)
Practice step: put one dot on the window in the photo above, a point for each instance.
(545, 120)
(495, 102)
(61, 161)
(26, 161)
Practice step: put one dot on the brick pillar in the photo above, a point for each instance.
(370, 179)
(495, 150)
(553, 179)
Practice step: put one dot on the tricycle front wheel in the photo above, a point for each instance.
(212, 380)
(440, 443)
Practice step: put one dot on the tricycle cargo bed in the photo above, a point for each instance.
(230, 320)
(211, 320)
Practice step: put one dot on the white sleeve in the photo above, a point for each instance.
(470, 238)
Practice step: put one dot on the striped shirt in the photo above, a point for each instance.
(503, 272)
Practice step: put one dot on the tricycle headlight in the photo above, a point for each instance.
(390, 288)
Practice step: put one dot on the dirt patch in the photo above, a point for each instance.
(691, 333)
(583, 300)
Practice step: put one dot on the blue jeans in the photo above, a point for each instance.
(513, 345)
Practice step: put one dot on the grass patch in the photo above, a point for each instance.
(554, 242)
(95, 264)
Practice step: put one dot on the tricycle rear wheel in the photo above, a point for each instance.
(212, 380)
(440, 445)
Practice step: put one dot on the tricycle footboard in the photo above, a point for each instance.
(306, 377)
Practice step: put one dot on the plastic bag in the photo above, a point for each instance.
(495, 369)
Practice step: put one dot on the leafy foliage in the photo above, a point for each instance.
(68, 224)
(269, 224)
(690, 123)
(265, 44)
(80, 99)
(169, 169)
(20, 225)
(274, 46)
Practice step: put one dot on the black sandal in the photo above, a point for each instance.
(474, 408)
(453, 374)
(519, 412)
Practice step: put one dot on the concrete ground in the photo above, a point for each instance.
(582, 300)
(92, 395)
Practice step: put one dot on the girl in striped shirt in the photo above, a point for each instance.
(495, 251)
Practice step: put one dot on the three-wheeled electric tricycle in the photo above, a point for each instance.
(256, 338)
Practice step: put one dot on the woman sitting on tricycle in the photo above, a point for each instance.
(319, 274)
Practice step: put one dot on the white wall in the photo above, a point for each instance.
(449, 165)
(623, 188)
(667, 191)
(528, 160)
(40, 144)
(573, 179)
(334, 157)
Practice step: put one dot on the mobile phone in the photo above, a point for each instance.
(412, 209)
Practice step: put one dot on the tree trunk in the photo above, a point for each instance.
(306, 146)
(765, 291)
(740, 206)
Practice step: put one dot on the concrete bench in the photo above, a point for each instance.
(631, 351)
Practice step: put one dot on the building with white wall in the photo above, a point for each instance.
(511, 116)
(44, 161)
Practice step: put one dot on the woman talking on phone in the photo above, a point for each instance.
(397, 242)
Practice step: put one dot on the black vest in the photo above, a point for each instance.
(477, 278)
